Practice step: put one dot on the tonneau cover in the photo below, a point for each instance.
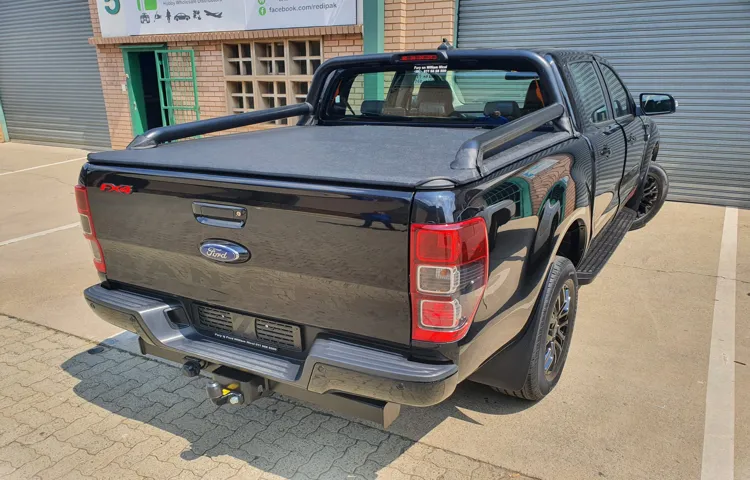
(395, 156)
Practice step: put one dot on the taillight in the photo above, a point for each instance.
(87, 225)
(449, 267)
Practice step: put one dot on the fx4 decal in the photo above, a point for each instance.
(110, 187)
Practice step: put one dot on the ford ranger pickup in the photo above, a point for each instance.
(427, 220)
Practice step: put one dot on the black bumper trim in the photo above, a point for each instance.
(331, 366)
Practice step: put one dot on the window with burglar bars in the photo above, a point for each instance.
(270, 74)
(178, 91)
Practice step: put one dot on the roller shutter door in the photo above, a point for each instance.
(49, 78)
(697, 50)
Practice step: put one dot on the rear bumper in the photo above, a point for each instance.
(332, 366)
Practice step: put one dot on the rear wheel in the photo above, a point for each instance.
(654, 194)
(553, 321)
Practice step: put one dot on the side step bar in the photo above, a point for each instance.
(604, 245)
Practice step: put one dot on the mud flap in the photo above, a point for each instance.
(507, 368)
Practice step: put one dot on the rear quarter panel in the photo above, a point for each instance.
(545, 194)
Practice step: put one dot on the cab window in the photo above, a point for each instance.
(617, 92)
(593, 103)
(436, 94)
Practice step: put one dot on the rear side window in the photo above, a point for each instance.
(592, 103)
(617, 92)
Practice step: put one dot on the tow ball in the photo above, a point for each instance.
(228, 385)
(236, 390)
(221, 395)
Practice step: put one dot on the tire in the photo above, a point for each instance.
(654, 194)
(541, 378)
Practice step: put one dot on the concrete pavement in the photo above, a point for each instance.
(742, 355)
(631, 402)
(41, 278)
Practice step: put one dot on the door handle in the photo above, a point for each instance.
(612, 129)
(605, 151)
(217, 215)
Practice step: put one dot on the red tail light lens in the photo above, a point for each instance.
(449, 267)
(87, 225)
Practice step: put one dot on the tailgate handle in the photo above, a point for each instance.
(217, 215)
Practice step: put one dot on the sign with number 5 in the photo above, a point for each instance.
(112, 18)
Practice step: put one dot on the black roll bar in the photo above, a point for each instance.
(160, 135)
(472, 152)
(484, 57)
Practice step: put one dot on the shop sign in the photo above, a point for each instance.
(147, 17)
(112, 17)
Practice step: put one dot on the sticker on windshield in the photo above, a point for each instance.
(431, 68)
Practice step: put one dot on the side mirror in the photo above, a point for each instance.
(657, 104)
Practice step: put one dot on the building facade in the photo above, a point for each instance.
(63, 81)
(240, 71)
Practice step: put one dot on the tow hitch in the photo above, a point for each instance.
(234, 387)
(220, 395)
(236, 391)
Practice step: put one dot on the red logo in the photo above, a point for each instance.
(110, 187)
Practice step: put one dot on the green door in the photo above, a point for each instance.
(178, 90)
(161, 86)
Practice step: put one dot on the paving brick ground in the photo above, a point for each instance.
(69, 414)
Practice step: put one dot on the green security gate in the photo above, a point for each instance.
(178, 91)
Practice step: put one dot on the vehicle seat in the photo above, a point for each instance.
(435, 99)
(374, 107)
(507, 109)
(534, 99)
(396, 111)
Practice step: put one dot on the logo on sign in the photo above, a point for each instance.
(224, 252)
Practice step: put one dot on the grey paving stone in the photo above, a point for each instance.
(112, 415)
(355, 456)
(321, 462)
(244, 434)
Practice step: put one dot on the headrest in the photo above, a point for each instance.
(506, 109)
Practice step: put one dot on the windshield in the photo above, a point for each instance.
(435, 94)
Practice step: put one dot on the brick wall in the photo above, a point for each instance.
(418, 24)
(112, 72)
(337, 45)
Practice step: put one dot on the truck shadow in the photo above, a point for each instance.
(276, 434)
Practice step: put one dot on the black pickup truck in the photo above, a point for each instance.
(428, 220)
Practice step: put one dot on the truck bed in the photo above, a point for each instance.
(390, 156)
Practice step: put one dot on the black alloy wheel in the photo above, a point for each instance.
(557, 332)
(654, 195)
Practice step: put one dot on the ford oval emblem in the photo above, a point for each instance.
(223, 251)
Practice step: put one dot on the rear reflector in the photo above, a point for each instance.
(449, 267)
(87, 225)
(440, 314)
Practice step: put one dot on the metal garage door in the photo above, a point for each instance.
(49, 78)
(697, 50)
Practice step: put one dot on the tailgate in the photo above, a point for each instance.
(323, 256)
